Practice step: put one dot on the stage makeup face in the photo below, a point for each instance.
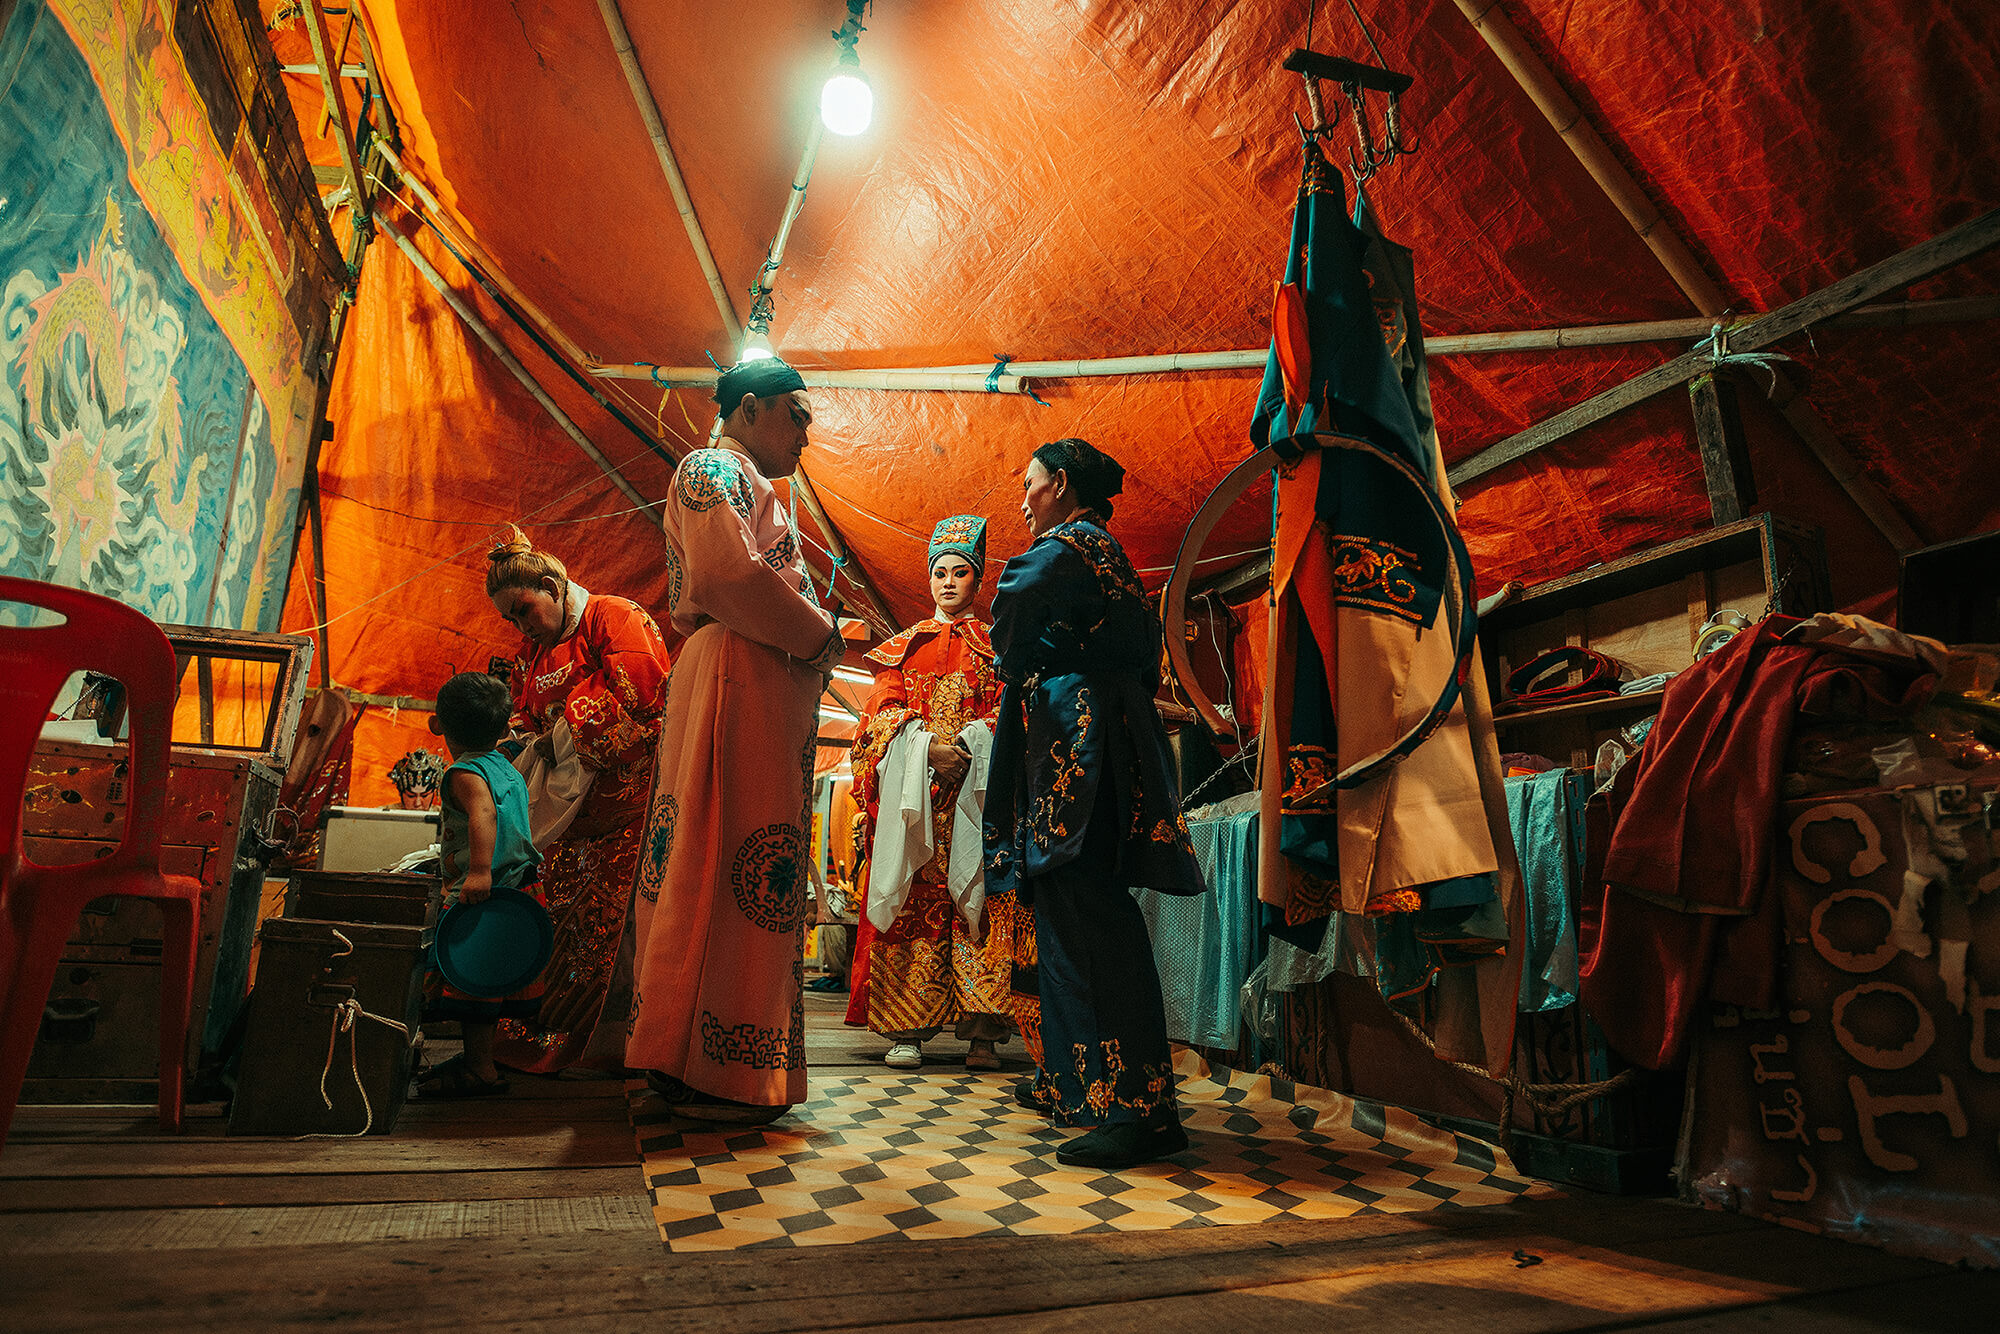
(953, 582)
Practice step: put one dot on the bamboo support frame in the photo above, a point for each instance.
(703, 377)
(656, 130)
(444, 219)
(508, 359)
(1970, 238)
(350, 156)
(1554, 102)
(969, 378)
(883, 621)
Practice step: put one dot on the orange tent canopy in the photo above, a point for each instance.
(1113, 178)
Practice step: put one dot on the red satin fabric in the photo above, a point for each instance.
(1690, 850)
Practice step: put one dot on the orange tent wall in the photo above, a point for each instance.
(1115, 177)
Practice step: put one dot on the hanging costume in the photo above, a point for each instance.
(720, 911)
(916, 969)
(605, 678)
(1377, 803)
(1082, 808)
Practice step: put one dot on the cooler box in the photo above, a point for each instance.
(369, 838)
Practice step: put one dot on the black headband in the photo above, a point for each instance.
(766, 377)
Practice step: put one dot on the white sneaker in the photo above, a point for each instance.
(904, 1056)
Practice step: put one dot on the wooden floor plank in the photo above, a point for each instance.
(207, 1229)
(180, 1192)
(611, 1277)
(468, 1147)
(1944, 1300)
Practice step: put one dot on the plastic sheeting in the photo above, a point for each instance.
(1112, 177)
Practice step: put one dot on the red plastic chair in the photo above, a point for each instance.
(40, 905)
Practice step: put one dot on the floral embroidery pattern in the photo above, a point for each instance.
(1099, 1083)
(1107, 560)
(1045, 823)
(1374, 575)
(1308, 769)
(663, 832)
(708, 477)
(769, 875)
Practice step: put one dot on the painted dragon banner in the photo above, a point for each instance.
(154, 403)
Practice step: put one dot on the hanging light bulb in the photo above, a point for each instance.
(847, 103)
(756, 347)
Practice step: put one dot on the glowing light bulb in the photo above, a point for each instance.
(756, 347)
(847, 103)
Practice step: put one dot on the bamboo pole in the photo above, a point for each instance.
(1563, 114)
(883, 621)
(656, 130)
(507, 359)
(703, 377)
(350, 157)
(443, 217)
(1904, 314)
(775, 256)
(1554, 102)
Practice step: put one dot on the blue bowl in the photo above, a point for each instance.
(494, 948)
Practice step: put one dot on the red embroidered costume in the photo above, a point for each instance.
(607, 676)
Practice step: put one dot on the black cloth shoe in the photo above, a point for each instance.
(1125, 1144)
(1024, 1094)
(689, 1101)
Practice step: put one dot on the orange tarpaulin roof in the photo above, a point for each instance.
(1111, 177)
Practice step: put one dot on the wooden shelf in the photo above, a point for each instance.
(1642, 701)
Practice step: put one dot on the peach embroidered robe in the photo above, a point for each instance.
(720, 910)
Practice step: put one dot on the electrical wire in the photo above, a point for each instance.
(468, 550)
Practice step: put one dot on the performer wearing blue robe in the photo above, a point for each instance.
(1082, 808)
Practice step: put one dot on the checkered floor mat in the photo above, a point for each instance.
(930, 1156)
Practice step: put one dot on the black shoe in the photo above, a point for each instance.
(1126, 1144)
(1024, 1094)
(689, 1101)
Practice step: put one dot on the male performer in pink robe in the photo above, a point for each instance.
(717, 1019)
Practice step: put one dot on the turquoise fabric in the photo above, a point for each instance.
(1546, 814)
(514, 857)
(1206, 945)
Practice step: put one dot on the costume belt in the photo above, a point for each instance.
(1544, 678)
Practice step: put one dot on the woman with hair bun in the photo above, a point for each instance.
(590, 677)
(1082, 808)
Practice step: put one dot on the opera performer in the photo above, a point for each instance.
(934, 951)
(1082, 808)
(717, 1016)
(587, 683)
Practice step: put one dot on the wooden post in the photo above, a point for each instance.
(1725, 458)
(319, 566)
(1913, 265)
